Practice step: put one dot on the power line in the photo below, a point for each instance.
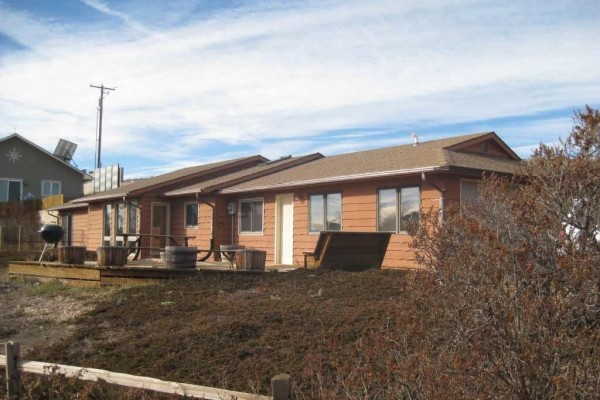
(103, 90)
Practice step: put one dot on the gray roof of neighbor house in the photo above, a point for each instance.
(46, 152)
(209, 185)
(183, 176)
(391, 161)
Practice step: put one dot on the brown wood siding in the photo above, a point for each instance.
(80, 227)
(203, 232)
(94, 238)
(486, 148)
(266, 240)
(359, 213)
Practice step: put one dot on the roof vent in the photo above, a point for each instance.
(279, 159)
(415, 139)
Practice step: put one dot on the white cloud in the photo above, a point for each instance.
(290, 73)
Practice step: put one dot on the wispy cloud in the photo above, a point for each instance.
(276, 77)
(103, 7)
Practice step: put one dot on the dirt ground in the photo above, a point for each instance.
(39, 313)
(231, 331)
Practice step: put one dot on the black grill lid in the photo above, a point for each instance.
(52, 233)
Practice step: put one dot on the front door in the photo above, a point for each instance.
(160, 225)
(285, 229)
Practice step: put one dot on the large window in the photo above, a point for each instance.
(11, 189)
(191, 214)
(50, 188)
(397, 207)
(251, 216)
(325, 212)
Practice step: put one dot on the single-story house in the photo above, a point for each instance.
(281, 206)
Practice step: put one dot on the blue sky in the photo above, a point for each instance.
(202, 81)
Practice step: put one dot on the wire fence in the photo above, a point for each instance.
(27, 238)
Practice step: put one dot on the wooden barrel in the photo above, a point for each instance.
(111, 255)
(250, 259)
(71, 254)
(180, 256)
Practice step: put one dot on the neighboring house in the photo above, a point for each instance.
(27, 171)
(281, 206)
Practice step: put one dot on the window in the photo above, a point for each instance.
(11, 189)
(120, 229)
(325, 212)
(469, 191)
(50, 188)
(191, 214)
(106, 223)
(132, 216)
(251, 216)
(397, 207)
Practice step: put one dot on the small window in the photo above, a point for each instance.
(397, 208)
(191, 215)
(11, 190)
(251, 216)
(50, 188)
(469, 191)
(325, 212)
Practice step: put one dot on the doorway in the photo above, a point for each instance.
(284, 238)
(159, 225)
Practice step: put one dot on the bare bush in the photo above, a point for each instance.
(510, 304)
(519, 271)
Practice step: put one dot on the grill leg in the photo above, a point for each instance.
(43, 251)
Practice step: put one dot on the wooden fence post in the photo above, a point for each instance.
(13, 385)
(19, 239)
(281, 387)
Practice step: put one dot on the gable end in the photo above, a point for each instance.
(489, 145)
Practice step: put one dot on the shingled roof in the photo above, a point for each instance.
(435, 155)
(183, 176)
(210, 185)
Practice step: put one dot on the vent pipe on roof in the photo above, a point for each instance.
(415, 139)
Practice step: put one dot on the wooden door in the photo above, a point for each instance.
(160, 224)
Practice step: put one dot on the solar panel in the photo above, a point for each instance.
(65, 150)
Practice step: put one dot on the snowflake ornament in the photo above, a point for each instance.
(13, 155)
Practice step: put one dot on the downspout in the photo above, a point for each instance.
(212, 227)
(442, 195)
(53, 216)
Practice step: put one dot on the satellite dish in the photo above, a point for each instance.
(65, 150)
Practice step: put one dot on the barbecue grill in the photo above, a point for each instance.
(51, 234)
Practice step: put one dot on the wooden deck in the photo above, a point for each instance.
(142, 272)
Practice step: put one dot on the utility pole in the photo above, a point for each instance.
(103, 90)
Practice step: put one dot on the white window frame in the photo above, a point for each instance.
(262, 225)
(51, 183)
(398, 196)
(325, 210)
(185, 212)
(7, 189)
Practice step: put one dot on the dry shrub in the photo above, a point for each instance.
(510, 305)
